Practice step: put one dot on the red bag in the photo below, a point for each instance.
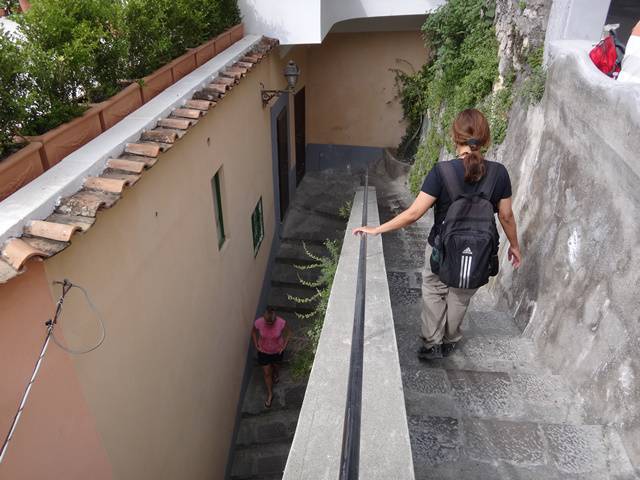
(605, 56)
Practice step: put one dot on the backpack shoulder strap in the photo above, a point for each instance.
(489, 181)
(450, 179)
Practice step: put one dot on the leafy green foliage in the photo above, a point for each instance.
(460, 74)
(12, 92)
(344, 212)
(78, 52)
(533, 86)
(159, 30)
(10, 6)
(83, 41)
(326, 266)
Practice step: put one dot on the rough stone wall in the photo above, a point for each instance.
(575, 166)
(520, 28)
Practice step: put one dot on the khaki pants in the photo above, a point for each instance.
(443, 309)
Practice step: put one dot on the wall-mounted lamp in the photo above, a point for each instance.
(291, 73)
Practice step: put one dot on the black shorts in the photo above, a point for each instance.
(269, 358)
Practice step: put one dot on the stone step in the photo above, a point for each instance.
(259, 461)
(296, 250)
(279, 299)
(490, 353)
(287, 394)
(450, 448)
(268, 427)
(331, 215)
(490, 395)
(288, 274)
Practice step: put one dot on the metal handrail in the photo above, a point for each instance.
(350, 457)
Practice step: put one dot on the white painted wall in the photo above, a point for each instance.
(576, 20)
(297, 22)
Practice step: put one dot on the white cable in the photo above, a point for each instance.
(100, 322)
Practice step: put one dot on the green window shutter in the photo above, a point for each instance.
(217, 203)
(257, 226)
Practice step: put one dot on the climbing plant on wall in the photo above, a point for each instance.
(461, 73)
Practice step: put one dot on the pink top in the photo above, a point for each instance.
(271, 340)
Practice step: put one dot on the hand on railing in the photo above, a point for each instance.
(366, 231)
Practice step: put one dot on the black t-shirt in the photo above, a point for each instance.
(434, 186)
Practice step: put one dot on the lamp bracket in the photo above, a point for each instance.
(268, 95)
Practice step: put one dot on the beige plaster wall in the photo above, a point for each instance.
(164, 387)
(56, 436)
(351, 94)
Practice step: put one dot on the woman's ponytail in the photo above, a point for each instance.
(472, 129)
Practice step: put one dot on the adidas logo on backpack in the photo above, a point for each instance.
(468, 237)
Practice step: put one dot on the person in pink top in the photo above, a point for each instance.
(270, 337)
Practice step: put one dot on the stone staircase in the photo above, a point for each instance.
(265, 435)
(491, 410)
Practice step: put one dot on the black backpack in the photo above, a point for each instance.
(465, 250)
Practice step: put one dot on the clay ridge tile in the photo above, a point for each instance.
(159, 136)
(143, 149)
(51, 230)
(16, 252)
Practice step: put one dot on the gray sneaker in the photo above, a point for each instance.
(433, 353)
(448, 348)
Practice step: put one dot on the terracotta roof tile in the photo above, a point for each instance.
(235, 70)
(147, 161)
(128, 178)
(187, 113)
(16, 252)
(125, 165)
(179, 123)
(83, 223)
(86, 203)
(159, 136)
(179, 133)
(162, 146)
(48, 247)
(51, 230)
(207, 94)
(218, 87)
(232, 74)
(229, 81)
(200, 104)
(143, 149)
(110, 185)
(77, 212)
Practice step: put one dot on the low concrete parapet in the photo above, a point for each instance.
(385, 449)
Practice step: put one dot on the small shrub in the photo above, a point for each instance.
(327, 266)
(160, 30)
(79, 52)
(85, 39)
(344, 212)
(533, 86)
